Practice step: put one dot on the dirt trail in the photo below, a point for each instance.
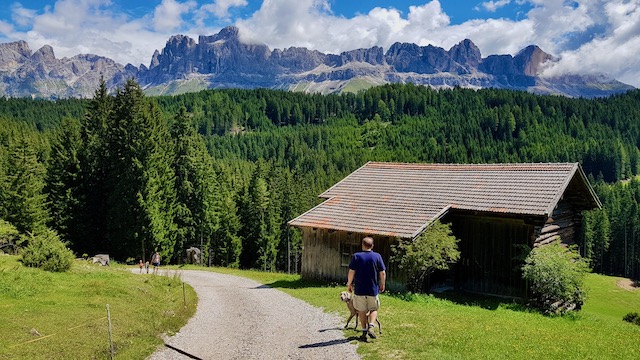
(238, 318)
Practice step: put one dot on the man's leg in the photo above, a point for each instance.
(374, 305)
(373, 315)
(362, 315)
(360, 304)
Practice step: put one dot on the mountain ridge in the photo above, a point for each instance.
(223, 60)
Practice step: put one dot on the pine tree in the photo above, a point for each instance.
(196, 218)
(226, 244)
(258, 239)
(64, 182)
(140, 179)
(95, 163)
(25, 201)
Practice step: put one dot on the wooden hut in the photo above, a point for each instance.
(494, 209)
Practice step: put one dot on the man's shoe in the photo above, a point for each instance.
(370, 332)
(363, 337)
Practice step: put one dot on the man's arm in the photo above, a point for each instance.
(352, 273)
(383, 277)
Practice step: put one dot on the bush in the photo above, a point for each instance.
(8, 233)
(45, 250)
(556, 274)
(434, 249)
(633, 318)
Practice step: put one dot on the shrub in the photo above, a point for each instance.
(633, 318)
(8, 233)
(434, 249)
(45, 250)
(556, 274)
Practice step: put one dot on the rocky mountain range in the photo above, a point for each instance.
(224, 61)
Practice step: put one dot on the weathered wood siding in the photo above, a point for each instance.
(563, 224)
(326, 254)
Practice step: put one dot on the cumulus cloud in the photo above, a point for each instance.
(614, 47)
(220, 8)
(310, 23)
(21, 15)
(492, 6)
(5, 28)
(168, 15)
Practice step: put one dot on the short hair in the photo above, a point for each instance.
(367, 242)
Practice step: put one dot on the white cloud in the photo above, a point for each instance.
(5, 29)
(168, 15)
(492, 6)
(309, 23)
(613, 50)
(21, 15)
(220, 8)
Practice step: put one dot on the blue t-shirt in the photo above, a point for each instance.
(367, 265)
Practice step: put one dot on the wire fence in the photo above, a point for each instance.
(107, 324)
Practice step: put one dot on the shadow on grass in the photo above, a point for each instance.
(298, 284)
(469, 299)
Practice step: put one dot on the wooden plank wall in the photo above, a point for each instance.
(326, 254)
(563, 224)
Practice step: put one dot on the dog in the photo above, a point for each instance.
(345, 297)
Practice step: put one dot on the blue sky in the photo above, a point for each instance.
(588, 36)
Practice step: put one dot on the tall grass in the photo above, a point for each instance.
(63, 315)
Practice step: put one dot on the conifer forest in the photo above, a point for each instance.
(127, 174)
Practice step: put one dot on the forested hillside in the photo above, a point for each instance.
(122, 173)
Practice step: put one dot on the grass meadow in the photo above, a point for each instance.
(68, 310)
(63, 315)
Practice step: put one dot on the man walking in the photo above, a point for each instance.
(155, 261)
(367, 276)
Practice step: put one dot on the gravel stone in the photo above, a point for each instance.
(238, 318)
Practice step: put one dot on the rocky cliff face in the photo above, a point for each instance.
(223, 60)
(41, 74)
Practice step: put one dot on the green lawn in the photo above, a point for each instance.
(458, 327)
(68, 310)
(415, 326)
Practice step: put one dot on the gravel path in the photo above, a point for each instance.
(238, 318)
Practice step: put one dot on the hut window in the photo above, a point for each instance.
(346, 252)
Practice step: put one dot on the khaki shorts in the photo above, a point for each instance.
(366, 303)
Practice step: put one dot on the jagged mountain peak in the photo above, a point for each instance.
(45, 53)
(229, 32)
(227, 60)
(177, 40)
(531, 60)
(466, 53)
(20, 48)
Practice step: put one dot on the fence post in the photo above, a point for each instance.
(110, 333)
(184, 295)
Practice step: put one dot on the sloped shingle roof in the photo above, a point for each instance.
(399, 199)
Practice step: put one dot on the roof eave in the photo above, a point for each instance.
(575, 170)
(438, 216)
